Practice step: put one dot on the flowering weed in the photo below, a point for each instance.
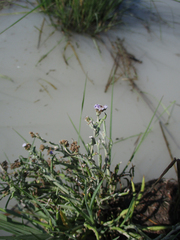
(66, 193)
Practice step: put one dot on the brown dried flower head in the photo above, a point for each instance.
(4, 165)
(27, 146)
(42, 147)
(32, 134)
(64, 143)
(16, 164)
(74, 147)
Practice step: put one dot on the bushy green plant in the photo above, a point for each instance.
(84, 16)
(66, 194)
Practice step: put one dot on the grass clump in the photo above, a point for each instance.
(84, 16)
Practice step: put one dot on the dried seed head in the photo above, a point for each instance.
(16, 164)
(27, 146)
(65, 143)
(32, 134)
(42, 147)
(4, 165)
(74, 147)
(87, 119)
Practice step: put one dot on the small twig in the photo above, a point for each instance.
(164, 172)
(167, 145)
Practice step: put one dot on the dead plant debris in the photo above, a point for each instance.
(123, 67)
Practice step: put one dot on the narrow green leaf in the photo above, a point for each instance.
(21, 18)
(6, 77)
(111, 114)
(41, 205)
(120, 230)
(81, 212)
(87, 207)
(114, 195)
(32, 236)
(26, 216)
(156, 228)
(45, 55)
(93, 229)
(21, 136)
(9, 225)
(147, 129)
(141, 191)
(129, 211)
(82, 107)
(94, 195)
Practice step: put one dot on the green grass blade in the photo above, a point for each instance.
(120, 230)
(114, 195)
(94, 195)
(97, 47)
(37, 202)
(32, 236)
(112, 93)
(110, 128)
(66, 207)
(87, 207)
(155, 228)
(21, 136)
(7, 158)
(6, 77)
(124, 139)
(82, 107)
(147, 129)
(129, 211)
(45, 55)
(21, 18)
(9, 225)
(93, 229)
(141, 191)
(86, 217)
(142, 139)
(78, 134)
(26, 217)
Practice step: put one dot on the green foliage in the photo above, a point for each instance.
(81, 16)
(66, 194)
(84, 16)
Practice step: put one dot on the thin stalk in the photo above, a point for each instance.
(82, 107)
(110, 129)
(21, 18)
(167, 145)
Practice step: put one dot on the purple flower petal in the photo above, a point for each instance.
(100, 108)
